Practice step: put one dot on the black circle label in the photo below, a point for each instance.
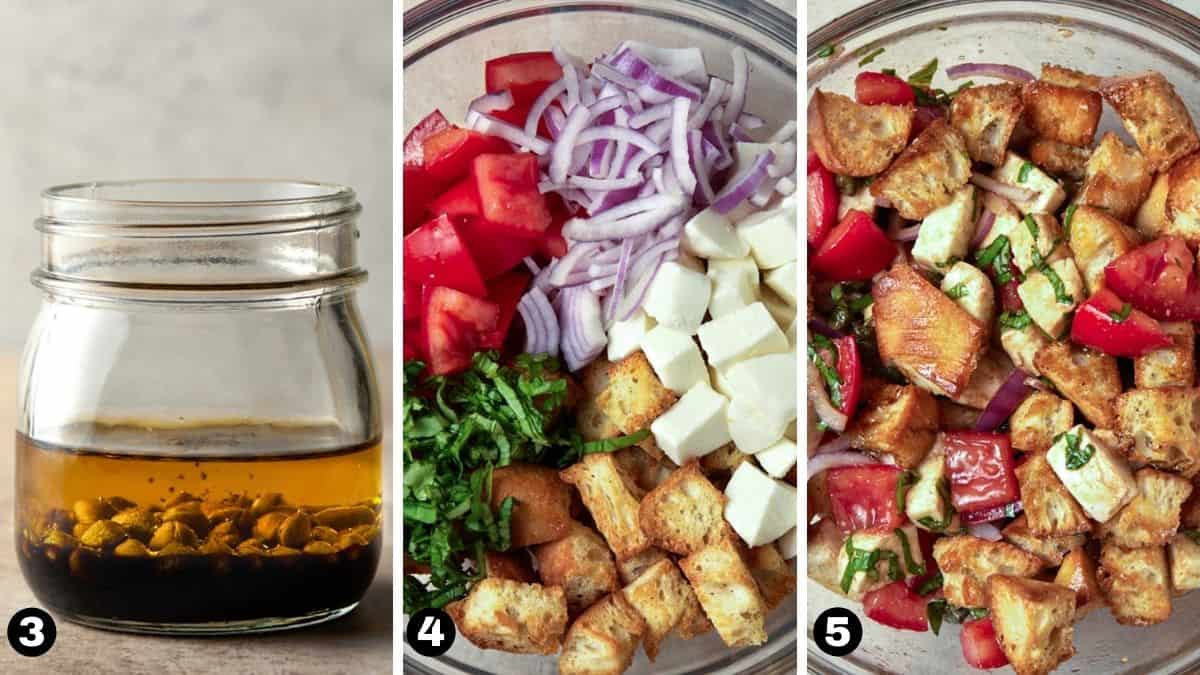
(431, 632)
(31, 632)
(838, 631)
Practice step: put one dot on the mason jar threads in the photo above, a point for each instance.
(198, 446)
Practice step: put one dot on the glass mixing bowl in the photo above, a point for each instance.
(445, 45)
(1098, 36)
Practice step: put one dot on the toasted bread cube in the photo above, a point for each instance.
(972, 290)
(927, 174)
(1065, 114)
(1048, 306)
(723, 461)
(1050, 510)
(1163, 424)
(512, 616)
(648, 467)
(632, 568)
(1154, 115)
(1034, 622)
(990, 375)
(1051, 549)
(1043, 238)
(728, 593)
(1173, 366)
(1088, 378)
(1136, 583)
(1103, 484)
(898, 421)
(635, 396)
(514, 566)
(946, 233)
(1118, 178)
(1151, 220)
(1023, 344)
(612, 497)
(1066, 77)
(1059, 159)
(1182, 215)
(854, 139)
(1038, 419)
(926, 497)
(1152, 518)
(581, 564)
(924, 333)
(1184, 555)
(825, 543)
(1096, 239)
(603, 640)
(684, 513)
(967, 562)
(663, 597)
(543, 502)
(986, 117)
(862, 200)
(594, 425)
(775, 577)
(861, 583)
(1078, 573)
(1048, 194)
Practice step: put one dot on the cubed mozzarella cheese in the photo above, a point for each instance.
(782, 280)
(861, 583)
(734, 285)
(748, 332)
(972, 290)
(691, 262)
(1104, 484)
(1042, 301)
(675, 358)
(778, 459)
(694, 426)
(766, 382)
(771, 236)
(946, 233)
(625, 337)
(924, 498)
(753, 430)
(1023, 344)
(719, 383)
(790, 334)
(862, 200)
(1049, 195)
(789, 544)
(710, 234)
(759, 508)
(1036, 232)
(780, 310)
(678, 297)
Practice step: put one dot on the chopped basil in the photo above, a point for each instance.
(1077, 457)
(1031, 225)
(826, 51)
(828, 369)
(906, 480)
(930, 585)
(1120, 316)
(1015, 320)
(1023, 174)
(924, 76)
(870, 57)
(889, 71)
(837, 292)
(997, 255)
(1067, 218)
(940, 609)
(932, 525)
(958, 291)
(1040, 264)
(911, 565)
(863, 560)
(861, 303)
(934, 611)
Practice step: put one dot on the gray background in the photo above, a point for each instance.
(821, 13)
(144, 88)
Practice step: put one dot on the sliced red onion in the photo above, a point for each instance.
(751, 121)
(582, 313)
(744, 184)
(695, 146)
(613, 299)
(1010, 192)
(984, 531)
(541, 104)
(741, 82)
(740, 134)
(579, 229)
(487, 103)
(679, 146)
(614, 133)
(785, 133)
(819, 464)
(765, 191)
(909, 233)
(716, 90)
(840, 443)
(531, 265)
(982, 227)
(997, 70)
(541, 324)
(652, 114)
(785, 186)
(555, 121)
(686, 63)
(725, 160)
(576, 255)
(1010, 395)
(832, 417)
(634, 101)
(638, 206)
(571, 77)
(603, 183)
(491, 126)
(562, 156)
(628, 63)
(785, 160)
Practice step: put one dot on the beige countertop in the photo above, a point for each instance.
(359, 644)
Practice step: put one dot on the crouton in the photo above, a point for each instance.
(825, 543)
(1023, 344)
(543, 502)
(1064, 114)
(514, 566)
(631, 568)
(1152, 518)
(646, 468)
(1189, 517)
(684, 513)
(1182, 215)
(1136, 583)
(1034, 622)
(854, 139)
(925, 334)
(992, 372)
(728, 593)
(1096, 239)
(1151, 219)
(723, 461)
(1059, 159)
(1065, 77)
(966, 563)
(635, 396)
(1184, 555)
(897, 421)
(927, 174)
(1038, 419)
(818, 496)
(512, 616)
(1154, 115)
(986, 117)
(896, 543)
(612, 498)
(1118, 178)
(1050, 510)
(1163, 424)
(1173, 366)
(1048, 194)
(775, 576)
(581, 564)
(594, 425)
(603, 640)
(1051, 549)
(1078, 573)
(663, 597)
(1094, 472)
(1088, 378)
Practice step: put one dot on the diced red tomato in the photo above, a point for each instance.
(823, 200)
(1098, 323)
(411, 300)
(854, 251)
(553, 244)
(525, 74)
(494, 251)
(991, 513)
(419, 189)
(864, 497)
(925, 540)
(850, 372)
(505, 292)
(414, 141)
(449, 153)
(435, 254)
(1158, 278)
(898, 606)
(1009, 296)
(875, 88)
(980, 647)
(980, 467)
(414, 337)
(461, 200)
(508, 194)
(454, 328)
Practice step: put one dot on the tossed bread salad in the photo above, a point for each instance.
(600, 365)
(1004, 420)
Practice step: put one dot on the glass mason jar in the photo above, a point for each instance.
(198, 446)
